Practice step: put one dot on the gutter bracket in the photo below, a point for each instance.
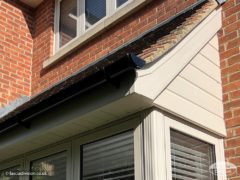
(115, 83)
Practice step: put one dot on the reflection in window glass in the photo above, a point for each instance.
(110, 158)
(55, 167)
(95, 10)
(68, 21)
(191, 158)
(4, 173)
(121, 2)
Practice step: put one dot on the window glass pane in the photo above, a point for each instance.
(110, 158)
(4, 173)
(68, 21)
(54, 166)
(95, 10)
(191, 158)
(121, 2)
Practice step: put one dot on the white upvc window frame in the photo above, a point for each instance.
(13, 163)
(51, 152)
(194, 132)
(111, 8)
(119, 128)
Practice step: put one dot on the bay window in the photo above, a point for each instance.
(151, 146)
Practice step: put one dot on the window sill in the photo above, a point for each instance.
(93, 32)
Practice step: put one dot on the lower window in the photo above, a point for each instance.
(5, 174)
(52, 167)
(192, 153)
(109, 159)
(191, 158)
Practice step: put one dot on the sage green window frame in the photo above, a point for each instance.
(194, 132)
(13, 163)
(72, 148)
(66, 147)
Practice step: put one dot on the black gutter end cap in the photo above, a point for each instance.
(138, 63)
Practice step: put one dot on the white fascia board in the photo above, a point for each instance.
(152, 81)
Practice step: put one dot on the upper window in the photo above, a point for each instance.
(121, 2)
(68, 21)
(74, 17)
(94, 11)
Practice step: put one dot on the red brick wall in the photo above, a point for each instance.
(16, 25)
(144, 19)
(229, 38)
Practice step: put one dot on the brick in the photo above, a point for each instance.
(233, 122)
(236, 112)
(231, 10)
(233, 43)
(237, 130)
(235, 95)
(231, 69)
(234, 59)
(228, 5)
(230, 153)
(230, 134)
(230, 20)
(234, 77)
(232, 27)
(233, 142)
(228, 114)
(232, 104)
(229, 39)
(14, 40)
(229, 53)
(231, 86)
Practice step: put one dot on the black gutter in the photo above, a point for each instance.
(101, 72)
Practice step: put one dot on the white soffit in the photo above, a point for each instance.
(32, 3)
(55, 128)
